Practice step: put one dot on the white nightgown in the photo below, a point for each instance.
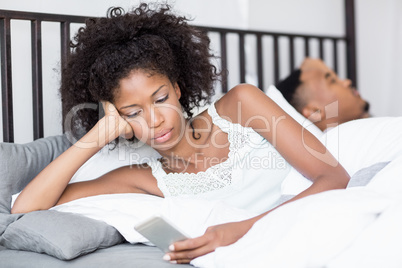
(250, 178)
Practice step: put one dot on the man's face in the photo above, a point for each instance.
(350, 104)
(335, 98)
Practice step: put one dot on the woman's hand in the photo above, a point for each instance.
(115, 124)
(215, 236)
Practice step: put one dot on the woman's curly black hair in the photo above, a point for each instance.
(107, 49)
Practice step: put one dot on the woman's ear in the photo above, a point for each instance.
(177, 90)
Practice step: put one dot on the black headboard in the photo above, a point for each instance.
(65, 21)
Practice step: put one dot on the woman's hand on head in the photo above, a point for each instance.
(114, 122)
(215, 236)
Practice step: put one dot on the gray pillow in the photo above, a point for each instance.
(360, 178)
(364, 175)
(20, 163)
(59, 234)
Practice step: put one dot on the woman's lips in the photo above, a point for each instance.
(164, 136)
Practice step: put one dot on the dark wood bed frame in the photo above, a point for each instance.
(65, 21)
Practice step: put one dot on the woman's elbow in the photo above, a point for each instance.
(332, 181)
(19, 208)
(341, 181)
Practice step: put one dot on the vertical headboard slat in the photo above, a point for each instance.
(306, 46)
(291, 54)
(37, 83)
(242, 58)
(335, 54)
(276, 59)
(350, 41)
(224, 63)
(260, 66)
(64, 41)
(6, 81)
(321, 47)
(64, 49)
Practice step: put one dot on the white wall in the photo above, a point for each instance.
(379, 54)
(379, 33)
(204, 12)
(307, 16)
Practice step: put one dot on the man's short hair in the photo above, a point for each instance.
(294, 90)
(289, 85)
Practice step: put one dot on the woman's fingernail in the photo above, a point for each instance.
(174, 262)
(166, 257)
(171, 248)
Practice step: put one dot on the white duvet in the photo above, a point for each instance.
(356, 227)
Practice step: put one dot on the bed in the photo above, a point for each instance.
(75, 236)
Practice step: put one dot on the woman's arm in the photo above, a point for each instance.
(298, 146)
(250, 107)
(45, 190)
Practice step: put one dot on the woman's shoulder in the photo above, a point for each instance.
(240, 91)
(230, 105)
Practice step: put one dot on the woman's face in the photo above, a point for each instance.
(150, 104)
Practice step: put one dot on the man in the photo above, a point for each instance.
(320, 95)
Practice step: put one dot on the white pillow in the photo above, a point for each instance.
(361, 143)
(108, 159)
(278, 98)
(356, 145)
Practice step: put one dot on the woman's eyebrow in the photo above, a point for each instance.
(156, 91)
(153, 94)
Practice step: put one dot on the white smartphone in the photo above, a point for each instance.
(160, 232)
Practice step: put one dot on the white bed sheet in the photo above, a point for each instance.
(357, 227)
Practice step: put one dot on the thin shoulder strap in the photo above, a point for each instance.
(159, 174)
(222, 123)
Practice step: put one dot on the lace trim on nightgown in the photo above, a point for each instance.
(215, 177)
